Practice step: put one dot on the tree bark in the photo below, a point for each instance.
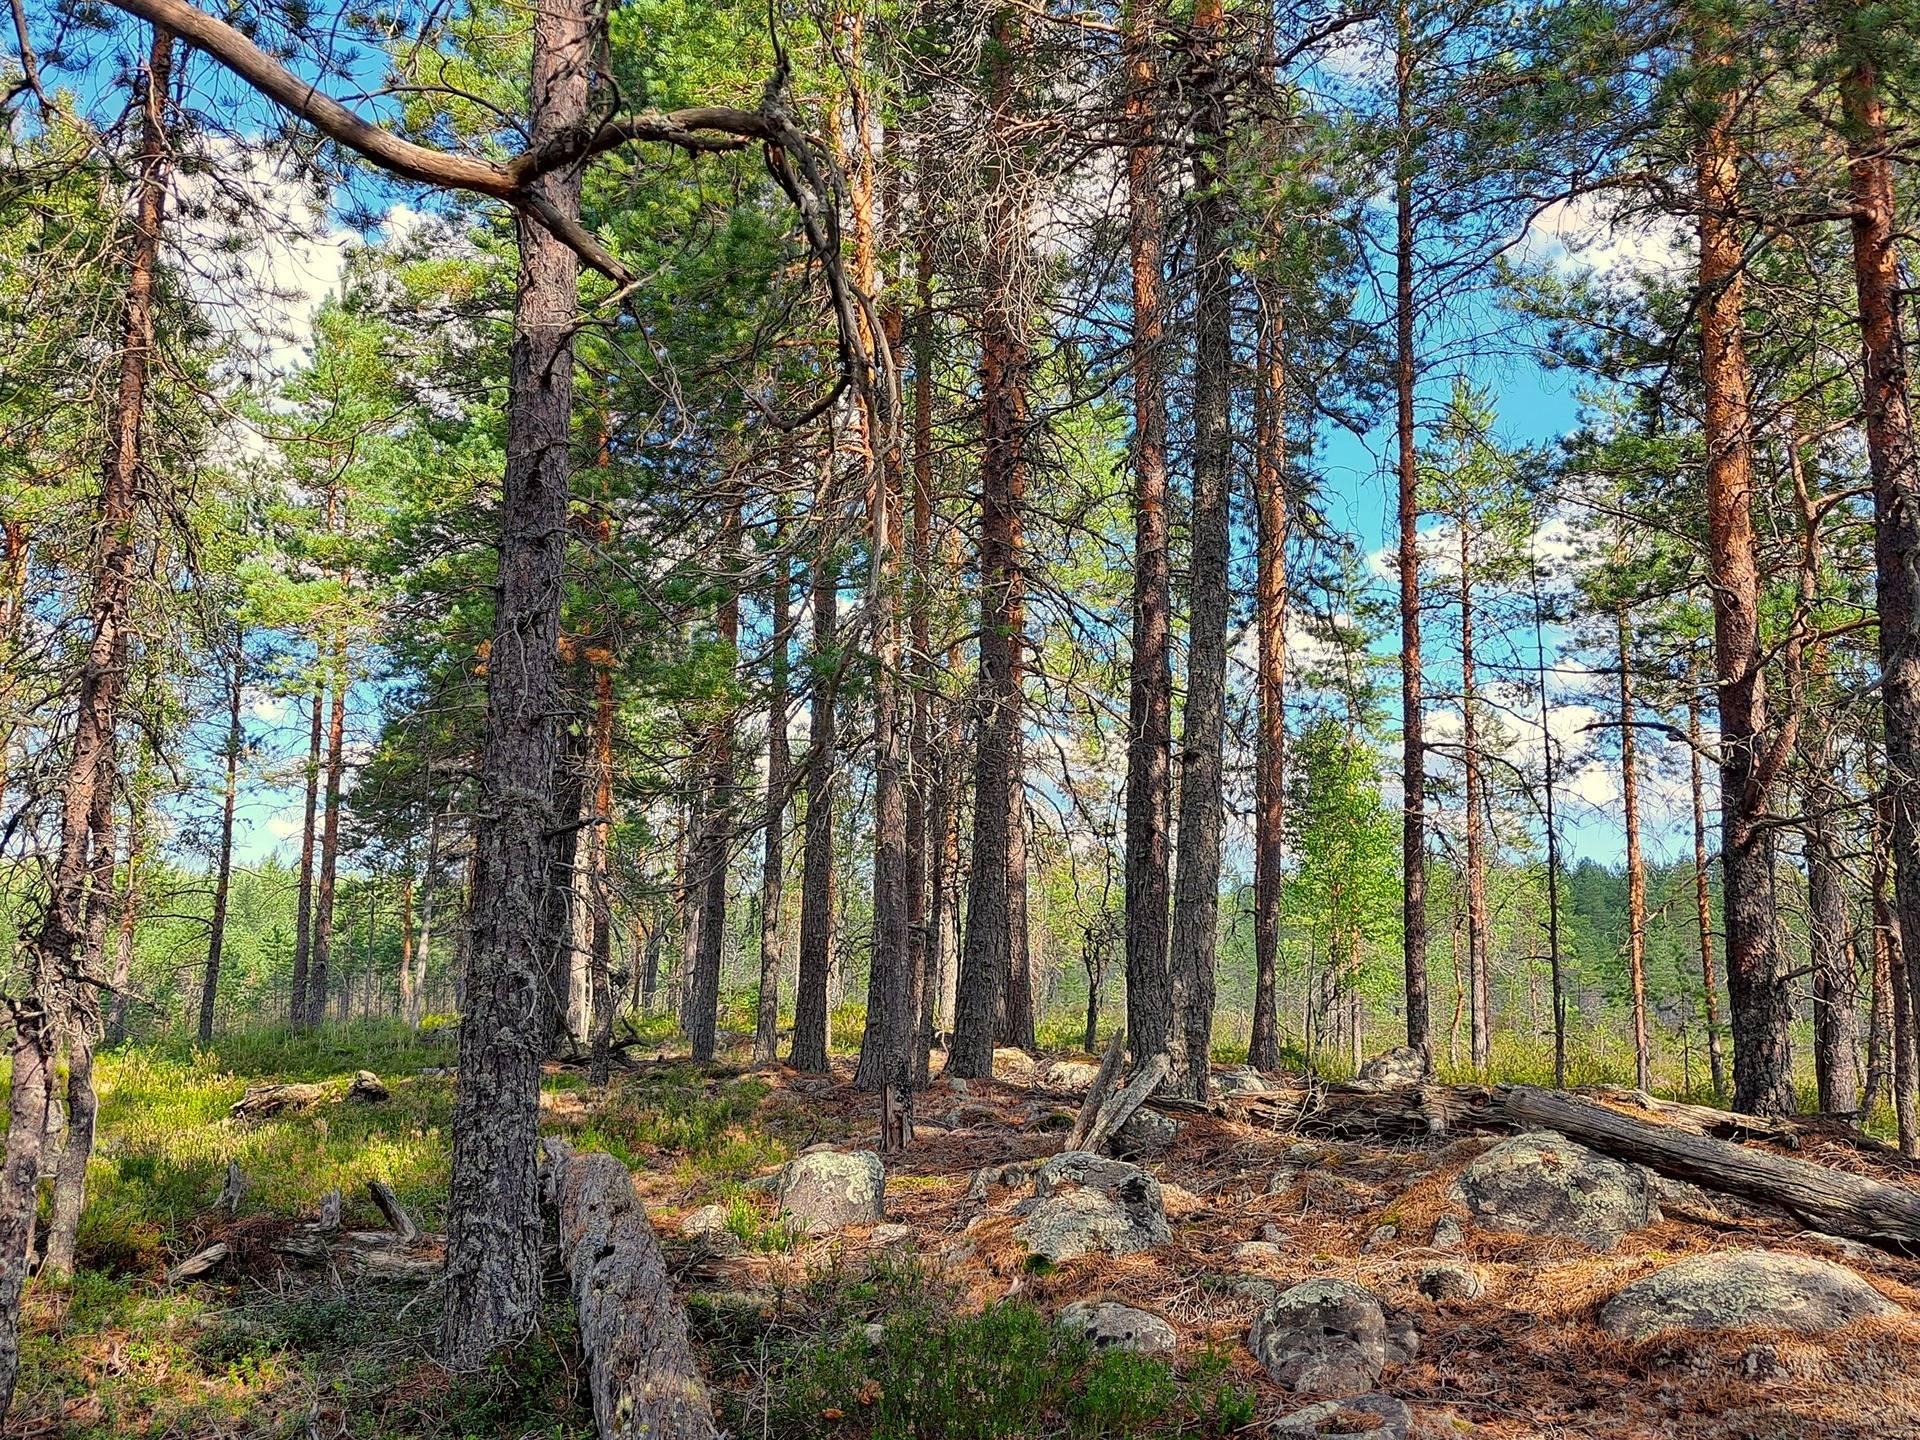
(56, 954)
(1196, 884)
(117, 1003)
(993, 968)
(1413, 745)
(303, 912)
(1891, 953)
(923, 905)
(321, 950)
(493, 1212)
(1702, 898)
(1892, 460)
(1636, 868)
(223, 873)
(1759, 998)
(1150, 673)
(706, 935)
(810, 1004)
(773, 864)
(600, 1004)
(1479, 932)
(1270, 592)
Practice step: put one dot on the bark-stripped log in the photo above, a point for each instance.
(640, 1365)
(1831, 1200)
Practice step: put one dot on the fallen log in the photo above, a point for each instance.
(1825, 1199)
(199, 1263)
(405, 1232)
(640, 1366)
(261, 1101)
(1119, 1108)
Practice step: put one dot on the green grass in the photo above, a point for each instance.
(938, 1371)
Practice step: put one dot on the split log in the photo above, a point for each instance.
(1097, 1093)
(1826, 1199)
(640, 1365)
(199, 1263)
(405, 1232)
(1119, 1108)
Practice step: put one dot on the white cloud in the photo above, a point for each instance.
(1595, 232)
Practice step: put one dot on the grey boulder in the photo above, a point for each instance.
(1400, 1066)
(1449, 1280)
(1147, 1132)
(1542, 1183)
(1085, 1202)
(1241, 1080)
(1110, 1326)
(1744, 1290)
(826, 1190)
(1329, 1337)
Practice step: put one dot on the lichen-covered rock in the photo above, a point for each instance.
(1147, 1132)
(1120, 1327)
(1542, 1183)
(1073, 1076)
(1241, 1080)
(1450, 1280)
(826, 1190)
(1329, 1337)
(1744, 1290)
(1447, 1234)
(707, 1227)
(1255, 1252)
(1085, 1202)
(1360, 1417)
(1400, 1066)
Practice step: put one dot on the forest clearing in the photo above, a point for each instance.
(959, 718)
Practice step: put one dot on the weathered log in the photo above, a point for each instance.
(405, 1232)
(199, 1263)
(230, 1193)
(261, 1101)
(368, 1088)
(1827, 1199)
(640, 1366)
(1119, 1108)
(1704, 1120)
(1096, 1093)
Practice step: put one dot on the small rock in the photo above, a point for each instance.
(1362, 1417)
(1447, 1234)
(886, 1237)
(1400, 1066)
(1147, 1132)
(1075, 1077)
(1744, 1290)
(825, 1190)
(1241, 1080)
(1255, 1252)
(1257, 1288)
(1542, 1183)
(1382, 1235)
(367, 1087)
(1120, 1327)
(1449, 1280)
(1284, 1179)
(1329, 1337)
(1273, 1234)
(1086, 1202)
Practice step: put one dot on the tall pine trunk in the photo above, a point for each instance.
(600, 1004)
(223, 873)
(1196, 883)
(773, 863)
(1270, 603)
(1150, 673)
(303, 909)
(810, 1000)
(1758, 996)
(1636, 868)
(494, 1267)
(706, 931)
(1703, 897)
(56, 954)
(1479, 937)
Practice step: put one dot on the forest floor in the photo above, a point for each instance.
(266, 1346)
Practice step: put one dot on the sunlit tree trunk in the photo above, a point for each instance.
(223, 871)
(56, 952)
(1270, 603)
(303, 911)
(1703, 897)
(327, 870)
(1758, 996)
(1479, 936)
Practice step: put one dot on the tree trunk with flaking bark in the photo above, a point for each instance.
(303, 912)
(1270, 603)
(1150, 672)
(1636, 868)
(320, 951)
(1196, 883)
(1703, 899)
(57, 950)
(1413, 745)
(493, 1213)
(995, 960)
(810, 1000)
(1759, 998)
(1895, 467)
(773, 862)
